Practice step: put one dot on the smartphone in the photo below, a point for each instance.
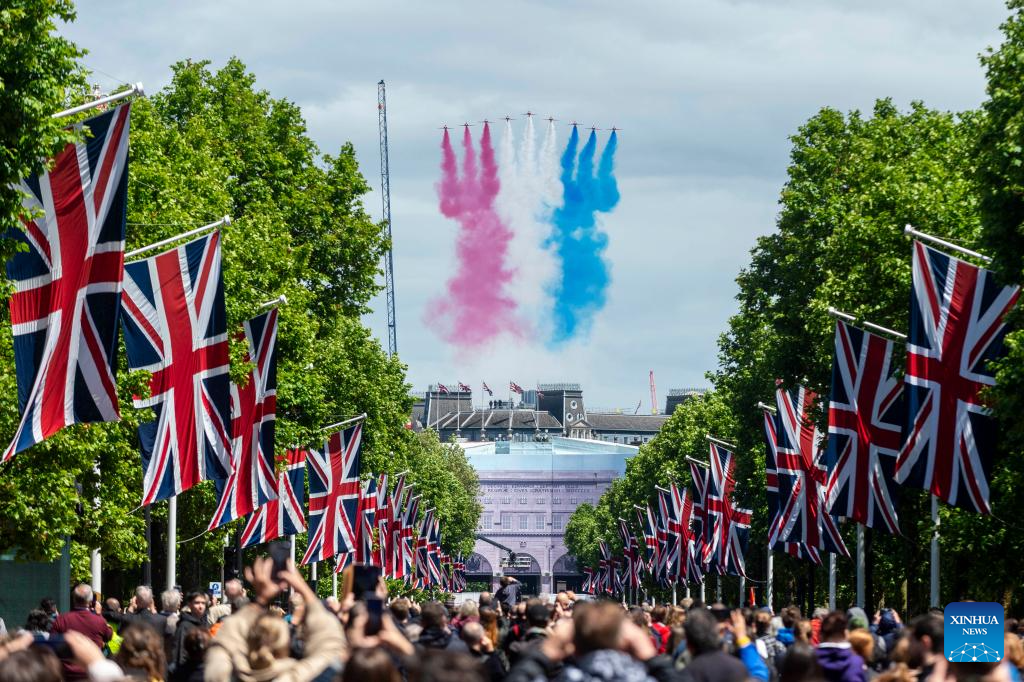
(280, 552)
(364, 580)
(374, 614)
(57, 644)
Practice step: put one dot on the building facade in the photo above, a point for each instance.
(528, 490)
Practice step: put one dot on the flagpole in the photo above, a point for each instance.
(95, 557)
(769, 588)
(743, 587)
(334, 579)
(344, 422)
(226, 220)
(703, 591)
(908, 229)
(832, 581)
(860, 565)
(934, 592)
(172, 545)
(136, 89)
(718, 588)
(674, 601)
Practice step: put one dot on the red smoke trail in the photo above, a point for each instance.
(476, 308)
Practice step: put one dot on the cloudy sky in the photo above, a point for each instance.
(706, 92)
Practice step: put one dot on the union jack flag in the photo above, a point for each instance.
(802, 474)
(284, 515)
(628, 544)
(728, 530)
(775, 494)
(442, 389)
(424, 572)
(647, 527)
(252, 482)
(667, 512)
(691, 568)
(367, 515)
(588, 581)
(409, 537)
(515, 388)
(64, 310)
(957, 313)
(464, 388)
(175, 327)
(459, 575)
(605, 581)
(434, 550)
(865, 416)
(699, 477)
(343, 561)
(488, 389)
(395, 566)
(334, 495)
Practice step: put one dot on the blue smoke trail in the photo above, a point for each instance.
(579, 290)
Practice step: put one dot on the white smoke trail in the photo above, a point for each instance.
(523, 204)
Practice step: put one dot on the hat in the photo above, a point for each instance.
(857, 617)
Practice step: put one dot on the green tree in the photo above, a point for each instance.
(39, 75)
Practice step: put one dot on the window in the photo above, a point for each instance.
(573, 500)
(539, 522)
(506, 500)
(524, 522)
(559, 521)
(506, 521)
(540, 500)
(523, 500)
(488, 500)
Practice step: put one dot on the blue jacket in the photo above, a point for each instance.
(785, 635)
(840, 663)
(755, 665)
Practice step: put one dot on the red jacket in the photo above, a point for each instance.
(90, 624)
(664, 633)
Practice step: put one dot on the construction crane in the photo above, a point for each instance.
(654, 395)
(385, 198)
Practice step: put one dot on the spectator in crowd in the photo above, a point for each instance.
(926, 644)
(142, 653)
(704, 643)
(82, 618)
(787, 633)
(436, 634)
(38, 624)
(481, 648)
(195, 617)
(142, 611)
(835, 654)
(400, 613)
(538, 617)
(486, 599)
(170, 604)
(508, 593)
(803, 632)
(233, 592)
(30, 664)
(774, 650)
(49, 606)
(468, 613)
(196, 643)
(253, 645)
(498, 667)
(816, 617)
(658, 616)
(887, 625)
(863, 644)
(800, 664)
(370, 665)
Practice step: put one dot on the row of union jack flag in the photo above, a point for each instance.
(444, 389)
(686, 535)
(354, 521)
(73, 290)
(931, 430)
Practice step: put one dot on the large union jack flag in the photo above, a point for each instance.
(699, 478)
(865, 416)
(779, 489)
(367, 529)
(588, 581)
(64, 310)
(334, 491)
(253, 406)
(669, 511)
(284, 515)
(728, 530)
(650, 538)
(802, 476)
(957, 313)
(175, 327)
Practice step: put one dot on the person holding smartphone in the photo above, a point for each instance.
(253, 644)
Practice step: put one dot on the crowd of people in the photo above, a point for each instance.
(278, 629)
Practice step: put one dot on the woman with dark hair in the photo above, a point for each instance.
(370, 665)
(192, 669)
(38, 624)
(142, 652)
